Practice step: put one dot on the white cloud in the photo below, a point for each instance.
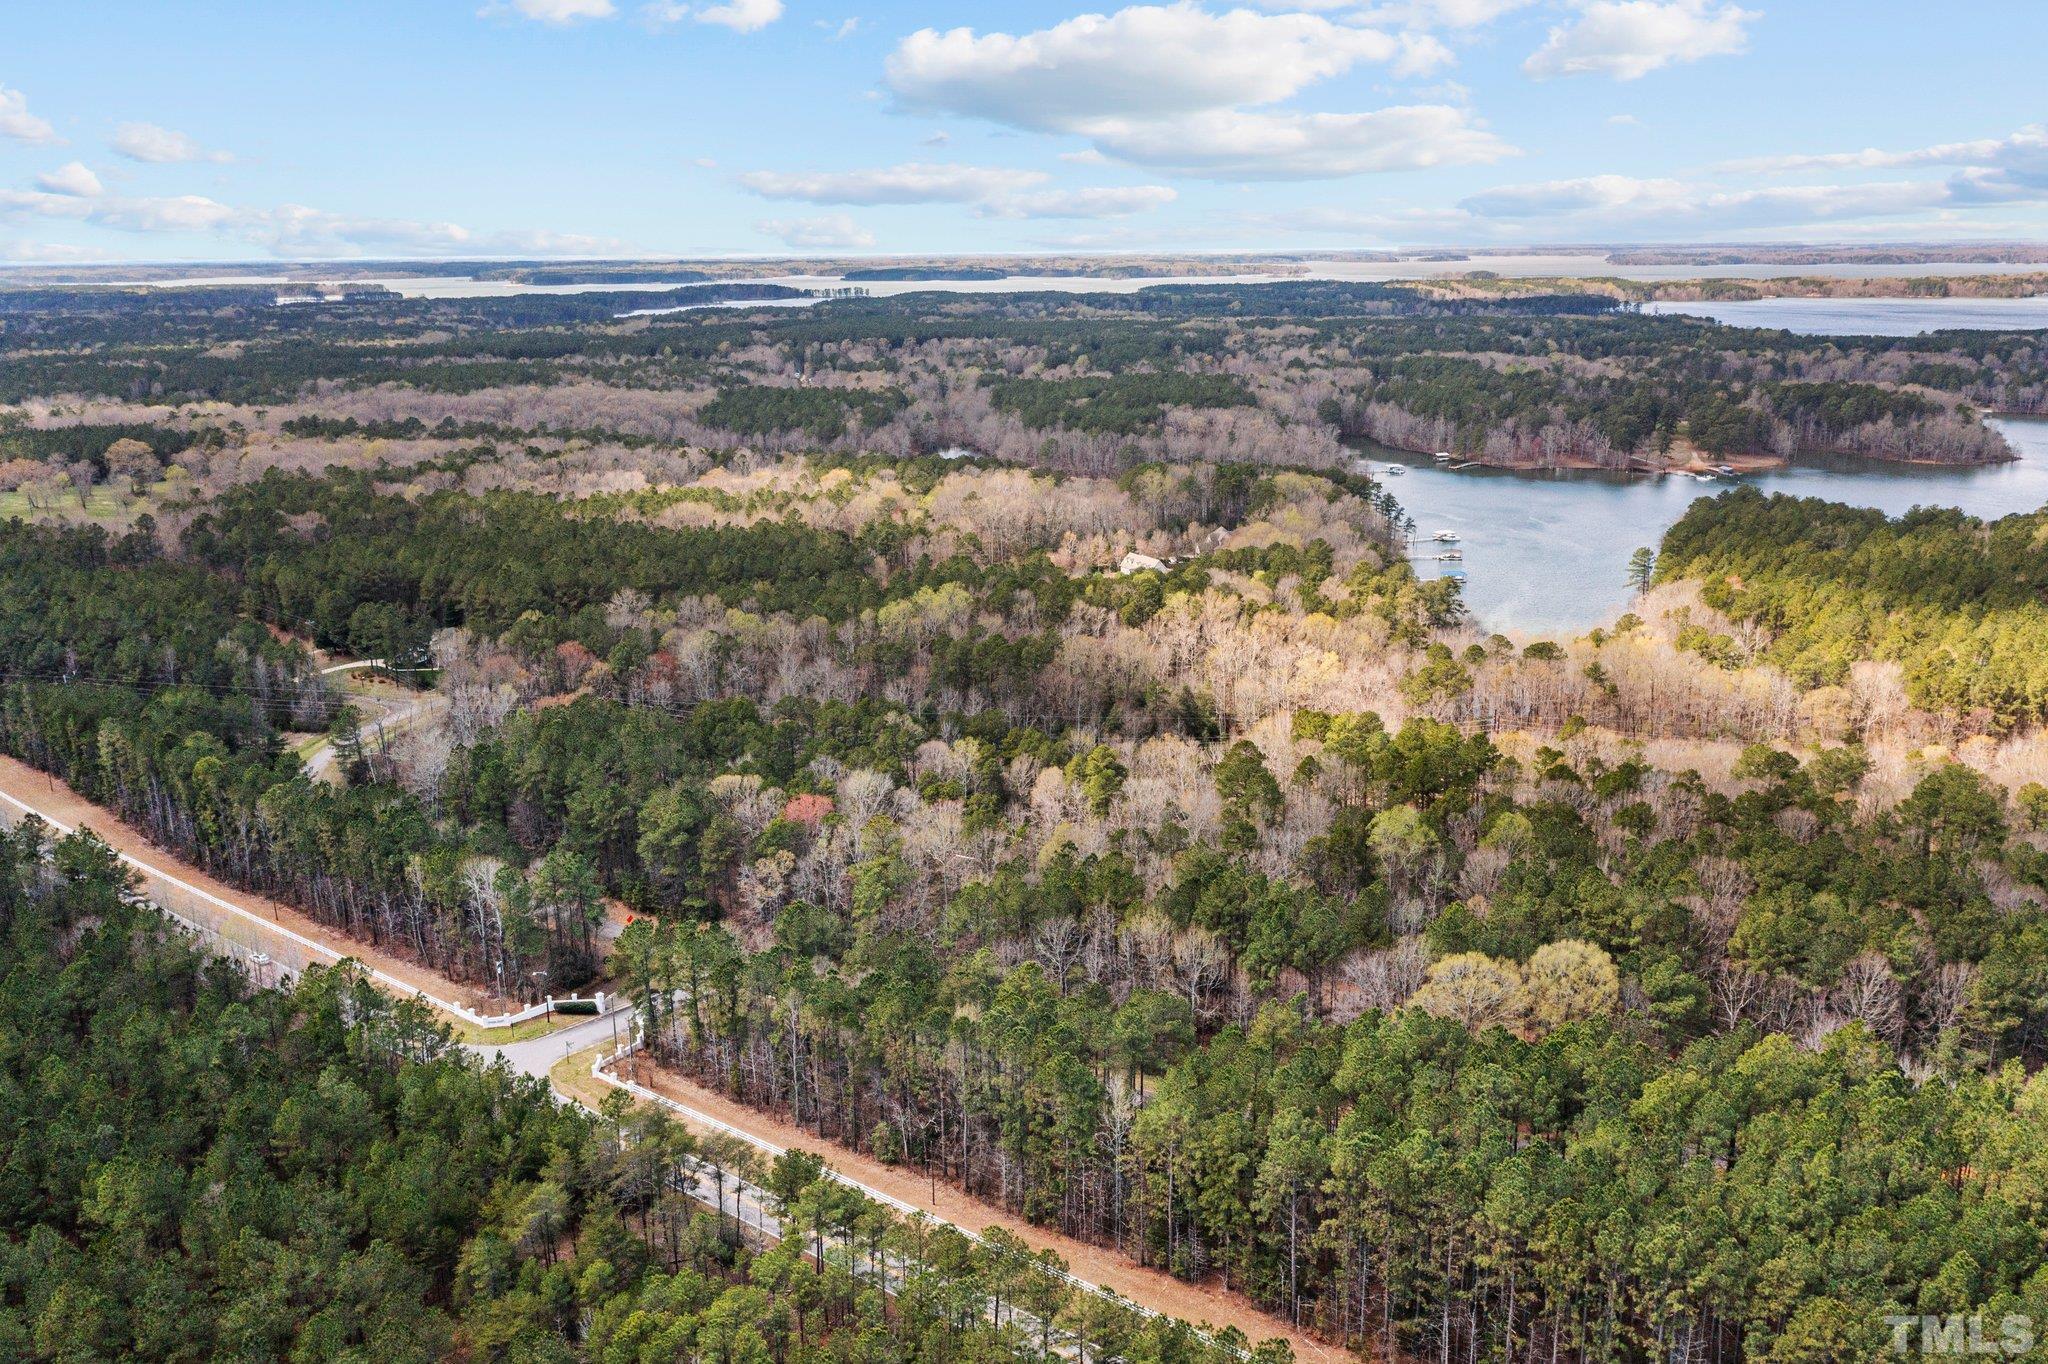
(1114, 201)
(834, 232)
(1998, 170)
(910, 183)
(50, 253)
(1985, 173)
(840, 31)
(992, 191)
(288, 229)
(18, 123)
(1618, 203)
(1624, 120)
(742, 16)
(160, 146)
(2022, 156)
(1144, 62)
(1628, 39)
(1087, 156)
(562, 11)
(168, 213)
(1602, 194)
(1440, 13)
(1242, 145)
(74, 178)
(1179, 88)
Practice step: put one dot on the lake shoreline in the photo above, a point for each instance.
(1699, 464)
(1544, 551)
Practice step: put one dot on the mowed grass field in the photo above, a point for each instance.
(103, 506)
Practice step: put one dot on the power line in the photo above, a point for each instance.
(216, 688)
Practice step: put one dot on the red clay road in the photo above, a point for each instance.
(1109, 1268)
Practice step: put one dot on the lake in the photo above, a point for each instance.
(1520, 265)
(1870, 316)
(1548, 552)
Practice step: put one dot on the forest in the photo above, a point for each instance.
(1018, 749)
(198, 1169)
(1278, 373)
(1960, 605)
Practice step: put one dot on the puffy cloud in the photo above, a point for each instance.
(74, 178)
(165, 213)
(1115, 201)
(1240, 145)
(168, 213)
(832, 232)
(1180, 88)
(1604, 194)
(160, 146)
(1987, 172)
(562, 11)
(2018, 163)
(18, 123)
(1628, 39)
(1148, 61)
(910, 183)
(742, 16)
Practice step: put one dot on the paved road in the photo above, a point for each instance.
(535, 1057)
(393, 717)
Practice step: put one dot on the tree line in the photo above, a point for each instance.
(195, 1168)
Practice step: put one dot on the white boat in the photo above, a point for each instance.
(1395, 470)
(1703, 478)
(1446, 537)
(1442, 457)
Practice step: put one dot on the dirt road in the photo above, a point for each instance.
(170, 881)
(161, 872)
(1194, 1303)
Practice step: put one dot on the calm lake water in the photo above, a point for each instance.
(1533, 263)
(1871, 316)
(1547, 552)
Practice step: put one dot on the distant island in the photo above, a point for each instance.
(595, 274)
(924, 272)
(2010, 253)
(1487, 284)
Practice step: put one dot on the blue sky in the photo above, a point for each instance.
(240, 131)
